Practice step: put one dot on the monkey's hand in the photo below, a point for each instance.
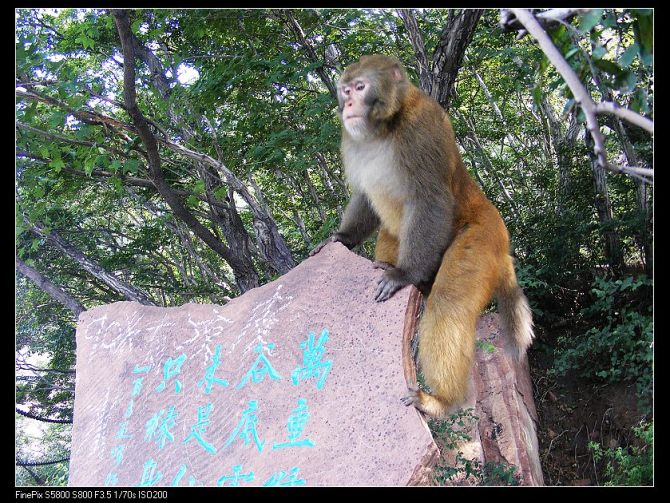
(412, 397)
(392, 280)
(335, 238)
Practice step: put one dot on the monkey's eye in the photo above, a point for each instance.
(360, 86)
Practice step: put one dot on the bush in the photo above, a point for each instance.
(631, 466)
(619, 347)
(450, 433)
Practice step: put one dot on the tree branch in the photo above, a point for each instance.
(412, 27)
(297, 30)
(581, 95)
(40, 463)
(128, 291)
(547, 19)
(43, 419)
(44, 284)
(246, 277)
(609, 107)
(448, 55)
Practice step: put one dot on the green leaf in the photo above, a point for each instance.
(608, 66)
(640, 103)
(101, 161)
(571, 52)
(89, 165)
(131, 166)
(589, 19)
(599, 52)
(628, 56)
(568, 105)
(630, 82)
(644, 29)
(537, 96)
(38, 192)
(135, 26)
(56, 120)
(199, 187)
(115, 166)
(57, 164)
(117, 183)
(647, 58)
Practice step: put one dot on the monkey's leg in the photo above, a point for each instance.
(463, 286)
(386, 249)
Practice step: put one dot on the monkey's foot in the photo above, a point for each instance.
(391, 281)
(380, 264)
(425, 402)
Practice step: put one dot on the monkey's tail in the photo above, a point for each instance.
(464, 284)
(515, 313)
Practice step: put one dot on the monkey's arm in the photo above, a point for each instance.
(358, 222)
(425, 234)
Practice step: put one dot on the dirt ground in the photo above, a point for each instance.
(571, 413)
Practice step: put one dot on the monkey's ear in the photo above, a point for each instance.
(397, 73)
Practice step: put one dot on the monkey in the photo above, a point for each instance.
(437, 229)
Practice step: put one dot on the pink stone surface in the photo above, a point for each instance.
(362, 435)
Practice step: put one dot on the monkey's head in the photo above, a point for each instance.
(370, 92)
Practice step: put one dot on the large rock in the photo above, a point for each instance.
(296, 382)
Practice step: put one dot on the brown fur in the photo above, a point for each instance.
(438, 229)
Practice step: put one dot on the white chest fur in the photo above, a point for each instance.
(371, 167)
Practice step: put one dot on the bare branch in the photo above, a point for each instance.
(43, 419)
(581, 95)
(546, 18)
(46, 285)
(412, 27)
(609, 107)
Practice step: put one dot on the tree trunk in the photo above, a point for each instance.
(644, 236)
(44, 284)
(613, 251)
(450, 50)
(227, 217)
(439, 77)
(246, 277)
(273, 247)
(412, 27)
(561, 149)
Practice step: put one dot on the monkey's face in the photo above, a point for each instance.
(369, 93)
(354, 97)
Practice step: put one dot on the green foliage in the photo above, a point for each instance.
(630, 466)
(619, 346)
(485, 346)
(54, 444)
(452, 432)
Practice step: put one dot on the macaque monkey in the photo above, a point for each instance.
(437, 229)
